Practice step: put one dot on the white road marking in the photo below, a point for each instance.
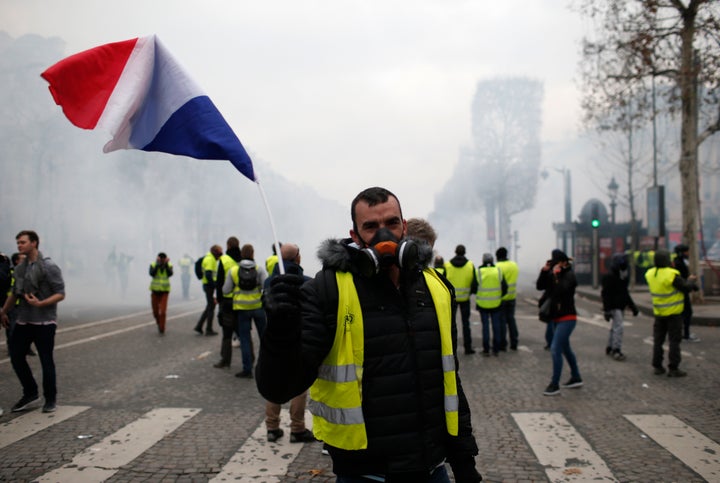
(258, 460)
(694, 449)
(101, 461)
(563, 452)
(111, 333)
(31, 422)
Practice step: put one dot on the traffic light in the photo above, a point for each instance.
(595, 216)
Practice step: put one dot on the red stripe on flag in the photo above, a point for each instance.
(82, 83)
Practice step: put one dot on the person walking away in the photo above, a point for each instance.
(488, 299)
(373, 337)
(209, 268)
(272, 260)
(160, 270)
(667, 290)
(15, 260)
(461, 273)
(558, 280)
(290, 254)
(508, 324)
(615, 298)
(245, 284)
(681, 265)
(226, 315)
(185, 263)
(39, 286)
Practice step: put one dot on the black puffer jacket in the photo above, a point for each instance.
(560, 288)
(402, 387)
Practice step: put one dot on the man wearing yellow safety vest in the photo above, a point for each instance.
(160, 270)
(508, 325)
(462, 275)
(245, 282)
(373, 337)
(488, 299)
(209, 269)
(226, 315)
(667, 289)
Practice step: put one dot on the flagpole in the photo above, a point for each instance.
(281, 265)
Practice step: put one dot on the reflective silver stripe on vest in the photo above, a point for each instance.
(331, 373)
(448, 363)
(337, 415)
(451, 403)
(462, 292)
(246, 301)
(662, 306)
(664, 295)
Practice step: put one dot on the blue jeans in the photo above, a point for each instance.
(440, 475)
(549, 334)
(494, 318)
(561, 347)
(509, 325)
(44, 338)
(242, 329)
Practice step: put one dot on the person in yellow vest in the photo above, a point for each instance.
(160, 270)
(185, 267)
(226, 315)
(488, 299)
(462, 275)
(667, 290)
(245, 282)
(508, 325)
(272, 260)
(372, 336)
(209, 280)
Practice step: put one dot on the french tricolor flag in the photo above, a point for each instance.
(137, 91)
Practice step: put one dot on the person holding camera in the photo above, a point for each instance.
(558, 281)
(373, 337)
(160, 270)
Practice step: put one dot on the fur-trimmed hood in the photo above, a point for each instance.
(341, 254)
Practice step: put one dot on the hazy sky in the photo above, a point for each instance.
(336, 94)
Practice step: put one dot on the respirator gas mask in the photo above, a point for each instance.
(385, 250)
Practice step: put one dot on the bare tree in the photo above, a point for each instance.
(674, 42)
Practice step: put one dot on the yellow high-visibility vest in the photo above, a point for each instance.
(510, 273)
(161, 281)
(244, 299)
(227, 262)
(461, 278)
(336, 394)
(209, 264)
(489, 292)
(666, 299)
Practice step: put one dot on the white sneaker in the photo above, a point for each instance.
(693, 338)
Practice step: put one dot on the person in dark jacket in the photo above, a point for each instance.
(462, 274)
(615, 297)
(558, 281)
(226, 315)
(373, 333)
(681, 265)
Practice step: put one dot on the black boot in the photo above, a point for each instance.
(225, 353)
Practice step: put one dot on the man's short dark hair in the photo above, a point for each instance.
(501, 253)
(31, 235)
(460, 250)
(372, 196)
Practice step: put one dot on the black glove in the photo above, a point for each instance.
(464, 471)
(635, 310)
(283, 297)
(607, 315)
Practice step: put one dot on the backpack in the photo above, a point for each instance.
(198, 268)
(247, 277)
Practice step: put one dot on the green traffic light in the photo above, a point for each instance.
(595, 223)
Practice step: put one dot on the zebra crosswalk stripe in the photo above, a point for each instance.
(34, 421)
(564, 453)
(259, 460)
(101, 461)
(685, 443)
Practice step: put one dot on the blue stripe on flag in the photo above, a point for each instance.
(198, 130)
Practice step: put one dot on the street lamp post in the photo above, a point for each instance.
(613, 190)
